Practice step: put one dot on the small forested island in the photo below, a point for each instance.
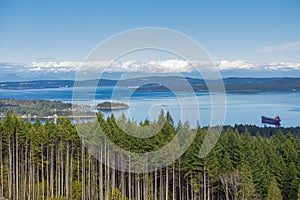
(112, 106)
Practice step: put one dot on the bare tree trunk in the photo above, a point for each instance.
(33, 174)
(167, 182)
(192, 189)
(155, 184)
(25, 169)
(38, 178)
(71, 171)
(129, 178)
(83, 171)
(17, 167)
(187, 188)
(146, 186)
(173, 181)
(204, 183)
(30, 179)
(179, 181)
(161, 190)
(42, 168)
(139, 188)
(208, 189)
(101, 175)
(113, 178)
(52, 171)
(108, 177)
(122, 178)
(78, 165)
(1, 168)
(89, 177)
(61, 169)
(67, 170)
(57, 174)
(47, 171)
(10, 170)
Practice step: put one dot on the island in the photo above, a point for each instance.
(111, 106)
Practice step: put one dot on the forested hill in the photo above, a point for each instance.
(265, 131)
(231, 84)
(48, 161)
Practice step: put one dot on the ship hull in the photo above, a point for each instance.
(269, 120)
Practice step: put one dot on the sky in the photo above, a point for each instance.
(236, 34)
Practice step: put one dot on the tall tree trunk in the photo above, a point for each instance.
(38, 178)
(179, 181)
(155, 184)
(57, 174)
(26, 171)
(204, 183)
(61, 169)
(47, 171)
(161, 190)
(67, 170)
(187, 188)
(167, 182)
(139, 188)
(52, 171)
(113, 176)
(71, 172)
(17, 167)
(83, 171)
(173, 181)
(1, 168)
(33, 174)
(129, 179)
(89, 177)
(108, 177)
(10, 170)
(208, 188)
(42, 168)
(101, 175)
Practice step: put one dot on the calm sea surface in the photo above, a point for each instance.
(240, 108)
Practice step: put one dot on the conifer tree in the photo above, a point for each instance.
(274, 192)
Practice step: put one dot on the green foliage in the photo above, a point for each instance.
(274, 192)
(298, 192)
(117, 195)
(35, 107)
(239, 166)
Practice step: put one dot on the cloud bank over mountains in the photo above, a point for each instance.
(49, 69)
(155, 66)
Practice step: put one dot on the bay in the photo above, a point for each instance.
(241, 108)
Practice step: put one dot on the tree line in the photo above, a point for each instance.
(49, 161)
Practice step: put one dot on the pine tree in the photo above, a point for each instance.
(274, 192)
(246, 184)
(298, 192)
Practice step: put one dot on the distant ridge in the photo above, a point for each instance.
(232, 84)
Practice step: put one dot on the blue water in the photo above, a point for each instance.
(241, 108)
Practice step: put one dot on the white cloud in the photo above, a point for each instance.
(164, 66)
(235, 64)
(282, 66)
(154, 66)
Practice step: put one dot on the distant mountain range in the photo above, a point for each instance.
(174, 83)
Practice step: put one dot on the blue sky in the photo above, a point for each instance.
(254, 31)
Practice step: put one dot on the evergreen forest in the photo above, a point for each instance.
(49, 161)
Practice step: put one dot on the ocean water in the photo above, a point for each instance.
(183, 106)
